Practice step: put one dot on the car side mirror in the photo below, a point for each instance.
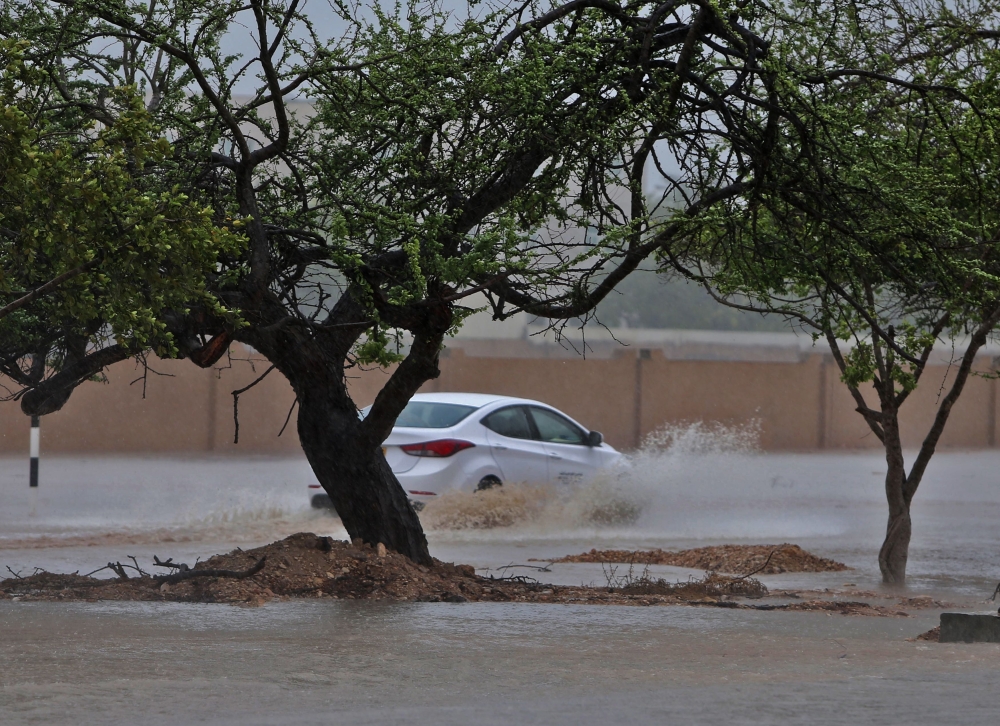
(594, 438)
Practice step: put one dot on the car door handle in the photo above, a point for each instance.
(554, 456)
(498, 447)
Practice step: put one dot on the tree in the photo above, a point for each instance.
(438, 159)
(88, 256)
(883, 239)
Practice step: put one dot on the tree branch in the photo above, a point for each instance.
(872, 418)
(976, 342)
(187, 574)
(47, 287)
(51, 395)
(419, 366)
(236, 402)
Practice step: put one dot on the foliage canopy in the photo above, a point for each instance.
(74, 210)
(880, 235)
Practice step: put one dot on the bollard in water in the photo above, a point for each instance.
(35, 441)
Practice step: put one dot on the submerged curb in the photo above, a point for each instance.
(966, 628)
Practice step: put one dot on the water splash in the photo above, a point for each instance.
(702, 438)
(633, 497)
(498, 507)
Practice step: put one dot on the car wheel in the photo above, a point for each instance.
(488, 482)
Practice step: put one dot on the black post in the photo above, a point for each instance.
(35, 440)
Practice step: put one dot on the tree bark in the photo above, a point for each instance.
(895, 549)
(900, 487)
(344, 451)
(366, 494)
(51, 395)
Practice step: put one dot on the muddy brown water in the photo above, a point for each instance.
(484, 663)
(368, 663)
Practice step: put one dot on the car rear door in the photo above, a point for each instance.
(570, 459)
(520, 457)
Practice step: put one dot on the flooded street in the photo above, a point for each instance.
(492, 663)
(305, 663)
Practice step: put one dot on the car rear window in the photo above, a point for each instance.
(428, 415)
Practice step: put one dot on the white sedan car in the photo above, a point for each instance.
(470, 441)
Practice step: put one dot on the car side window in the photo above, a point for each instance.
(511, 421)
(555, 429)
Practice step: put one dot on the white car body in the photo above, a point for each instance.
(487, 435)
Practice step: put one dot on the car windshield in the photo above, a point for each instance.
(428, 415)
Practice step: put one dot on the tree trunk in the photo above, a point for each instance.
(366, 494)
(345, 453)
(895, 548)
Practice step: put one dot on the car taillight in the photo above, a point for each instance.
(441, 447)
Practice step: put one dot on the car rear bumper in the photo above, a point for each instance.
(432, 476)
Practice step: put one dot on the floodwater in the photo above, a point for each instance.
(491, 663)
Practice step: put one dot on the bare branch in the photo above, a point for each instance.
(190, 573)
(236, 401)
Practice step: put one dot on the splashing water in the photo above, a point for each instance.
(630, 497)
(498, 507)
(689, 485)
(702, 438)
(132, 500)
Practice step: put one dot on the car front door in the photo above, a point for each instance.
(570, 459)
(520, 457)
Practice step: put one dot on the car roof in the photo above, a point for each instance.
(469, 399)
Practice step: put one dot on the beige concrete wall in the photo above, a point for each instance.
(972, 423)
(783, 397)
(601, 394)
(800, 404)
(183, 409)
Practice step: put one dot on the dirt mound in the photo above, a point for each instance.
(735, 559)
(302, 565)
(308, 566)
(931, 636)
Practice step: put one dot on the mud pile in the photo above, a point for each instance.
(931, 636)
(302, 565)
(309, 566)
(734, 559)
